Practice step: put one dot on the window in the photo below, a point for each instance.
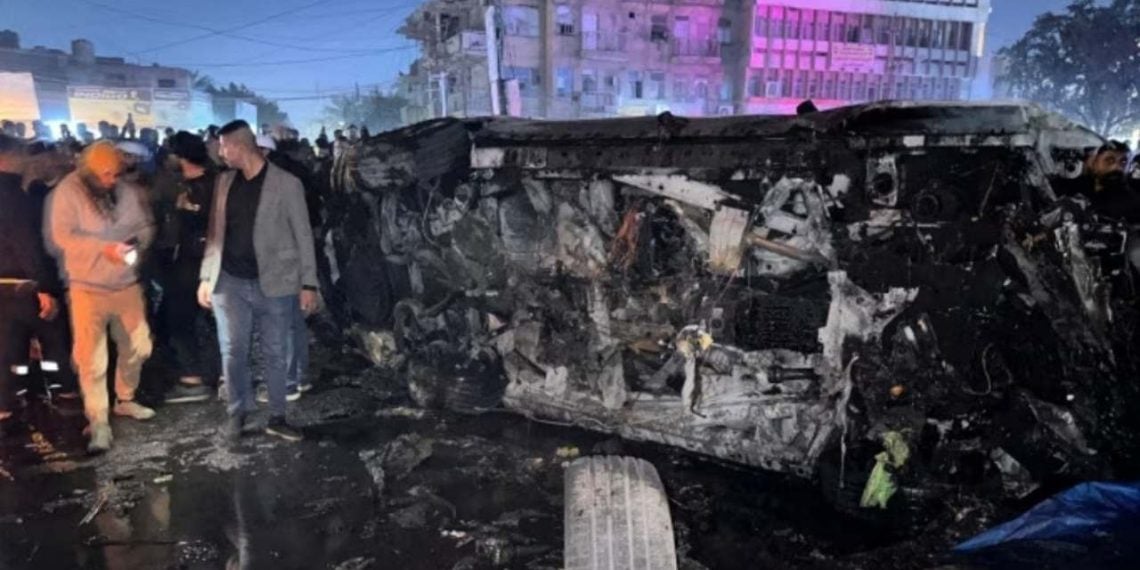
(867, 32)
(828, 91)
(564, 20)
(724, 31)
(681, 89)
(658, 28)
(681, 30)
(883, 30)
(822, 30)
(792, 24)
(610, 83)
(760, 24)
(657, 86)
(756, 86)
(563, 81)
(589, 81)
(838, 26)
(911, 32)
(938, 41)
(527, 77)
(726, 89)
(636, 87)
(966, 37)
(924, 33)
(167, 83)
(952, 36)
(853, 28)
(798, 85)
(521, 21)
(701, 89)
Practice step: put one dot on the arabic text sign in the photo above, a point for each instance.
(853, 58)
(112, 104)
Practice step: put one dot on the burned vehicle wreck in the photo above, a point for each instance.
(888, 287)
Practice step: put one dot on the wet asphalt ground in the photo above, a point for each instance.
(380, 484)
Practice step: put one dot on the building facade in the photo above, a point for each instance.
(849, 51)
(562, 59)
(79, 86)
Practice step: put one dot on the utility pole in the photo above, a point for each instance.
(493, 59)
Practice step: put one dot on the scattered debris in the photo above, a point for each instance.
(567, 453)
(881, 484)
(100, 502)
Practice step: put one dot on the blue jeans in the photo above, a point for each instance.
(298, 350)
(239, 305)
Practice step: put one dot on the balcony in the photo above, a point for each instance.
(603, 42)
(467, 43)
(692, 47)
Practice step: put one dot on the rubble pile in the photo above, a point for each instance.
(782, 292)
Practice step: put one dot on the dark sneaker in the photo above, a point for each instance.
(292, 394)
(278, 427)
(234, 426)
(185, 394)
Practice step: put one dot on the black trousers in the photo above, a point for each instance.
(192, 336)
(19, 323)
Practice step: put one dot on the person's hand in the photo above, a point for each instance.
(308, 301)
(183, 203)
(49, 309)
(204, 295)
(117, 252)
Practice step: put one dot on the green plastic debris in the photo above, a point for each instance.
(881, 484)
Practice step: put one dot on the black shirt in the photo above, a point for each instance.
(21, 251)
(238, 255)
(193, 223)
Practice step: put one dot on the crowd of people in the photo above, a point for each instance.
(203, 244)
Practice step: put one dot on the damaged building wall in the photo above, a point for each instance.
(751, 288)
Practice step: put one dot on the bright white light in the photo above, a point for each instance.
(49, 366)
(131, 257)
(20, 370)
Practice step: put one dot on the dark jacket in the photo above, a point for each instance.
(21, 251)
(193, 223)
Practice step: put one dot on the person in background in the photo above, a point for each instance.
(24, 275)
(212, 145)
(129, 129)
(97, 227)
(46, 166)
(259, 264)
(83, 134)
(196, 354)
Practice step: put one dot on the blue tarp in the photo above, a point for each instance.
(1096, 523)
(1073, 516)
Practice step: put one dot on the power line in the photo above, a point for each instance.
(294, 61)
(228, 34)
(243, 26)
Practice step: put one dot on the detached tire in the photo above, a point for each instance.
(617, 516)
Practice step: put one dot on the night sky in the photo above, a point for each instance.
(291, 50)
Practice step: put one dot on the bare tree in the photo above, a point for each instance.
(1084, 62)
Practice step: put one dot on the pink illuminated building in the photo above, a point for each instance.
(563, 59)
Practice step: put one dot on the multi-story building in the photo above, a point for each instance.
(842, 51)
(596, 58)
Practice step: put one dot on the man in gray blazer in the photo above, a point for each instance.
(259, 264)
